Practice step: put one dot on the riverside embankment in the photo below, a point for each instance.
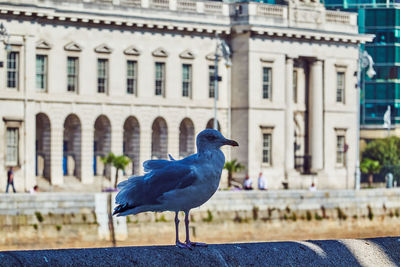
(61, 220)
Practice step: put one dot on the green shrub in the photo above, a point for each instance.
(370, 213)
(209, 217)
(340, 214)
(308, 215)
(255, 213)
(39, 216)
(294, 216)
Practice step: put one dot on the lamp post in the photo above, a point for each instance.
(364, 61)
(223, 48)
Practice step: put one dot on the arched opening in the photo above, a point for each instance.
(131, 145)
(210, 125)
(72, 146)
(186, 138)
(159, 139)
(101, 145)
(42, 146)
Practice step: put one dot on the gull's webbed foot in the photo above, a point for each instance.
(184, 245)
(195, 244)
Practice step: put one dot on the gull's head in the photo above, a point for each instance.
(212, 139)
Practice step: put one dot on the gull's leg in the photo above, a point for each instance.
(190, 243)
(178, 243)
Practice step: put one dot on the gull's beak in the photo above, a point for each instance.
(231, 143)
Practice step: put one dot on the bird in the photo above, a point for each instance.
(176, 185)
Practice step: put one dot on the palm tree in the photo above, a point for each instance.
(120, 163)
(232, 167)
(107, 160)
(370, 167)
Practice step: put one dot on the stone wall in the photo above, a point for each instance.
(73, 217)
(350, 252)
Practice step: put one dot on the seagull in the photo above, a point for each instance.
(176, 185)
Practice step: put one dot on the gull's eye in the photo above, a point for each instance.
(211, 138)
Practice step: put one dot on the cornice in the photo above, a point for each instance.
(173, 22)
(305, 34)
(101, 18)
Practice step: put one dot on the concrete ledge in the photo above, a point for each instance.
(348, 252)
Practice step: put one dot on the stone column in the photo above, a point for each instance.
(289, 127)
(117, 137)
(87, 176)
(56, 161)
(316, 116)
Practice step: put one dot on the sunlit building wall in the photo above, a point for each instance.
(85, 78)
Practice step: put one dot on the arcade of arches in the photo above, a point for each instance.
(102, 129)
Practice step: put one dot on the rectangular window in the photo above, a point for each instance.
(102, 75)
(340, 87)
(211, 83)
(186, 80)
(12, 69)
(266, 156)
(12, 146)
(160, 78)
(41, 72)
(131, 77)
(72, 74)
(295, 86)
(340, 153)
(266, 82)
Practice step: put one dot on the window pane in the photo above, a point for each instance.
(102, 75)
(211, 83)
(12, 69)
(340, 87)
(72, 72)
(131, 77)
(41, 72)
(340, 160)
(12, 146)
(160, 78)
(266, 156)
(266, 82)
(186, 80)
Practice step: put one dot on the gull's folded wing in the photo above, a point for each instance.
(147, 189)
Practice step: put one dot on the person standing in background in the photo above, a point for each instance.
(262, 182)
(10, 179)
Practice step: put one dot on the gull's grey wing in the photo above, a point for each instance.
(155, 164)
(147, 189)
(172, 177)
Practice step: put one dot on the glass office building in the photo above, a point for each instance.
(381, 18)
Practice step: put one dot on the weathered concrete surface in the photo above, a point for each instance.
(348, 252)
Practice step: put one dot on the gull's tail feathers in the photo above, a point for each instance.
(130, 195)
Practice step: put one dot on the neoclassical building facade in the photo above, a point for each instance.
(84, 78)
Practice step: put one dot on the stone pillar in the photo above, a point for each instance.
(117, 137)
(56, 161)
(173, 138)
(30, 155)
(87, 176)
(289, 127)
(316, 116)
(145, 142)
